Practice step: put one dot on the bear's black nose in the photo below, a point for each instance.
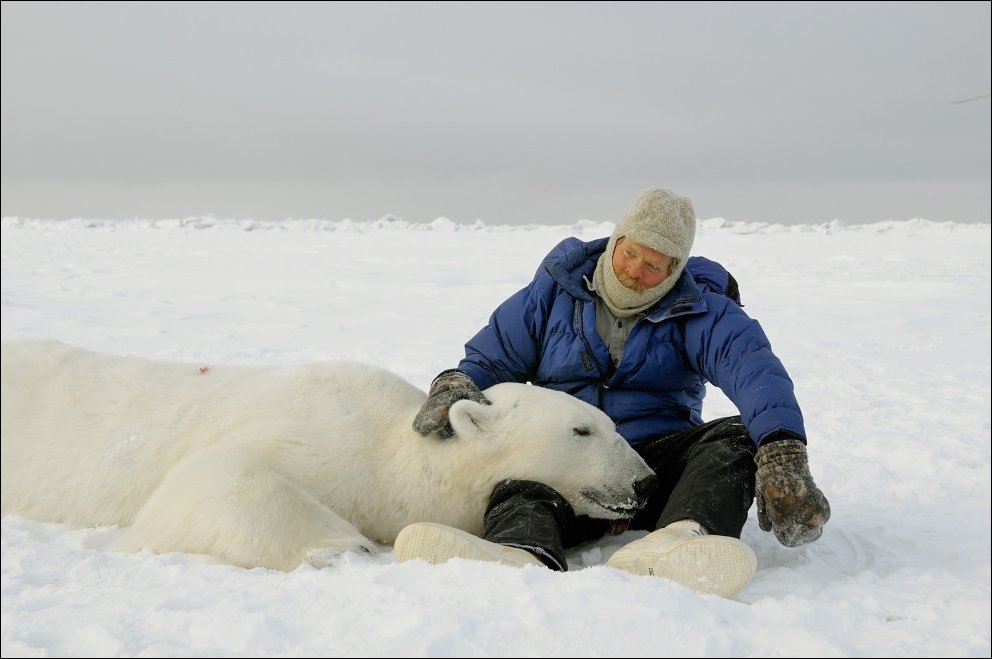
(646, 486)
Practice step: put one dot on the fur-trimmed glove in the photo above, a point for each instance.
(449, 386)
(789, 502)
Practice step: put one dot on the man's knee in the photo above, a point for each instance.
(531, 516)
(512, 489)
(730, 433)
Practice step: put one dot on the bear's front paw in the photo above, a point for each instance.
(321, 557)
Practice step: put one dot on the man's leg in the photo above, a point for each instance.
(525, 523)
(706, 486)
(705, 474)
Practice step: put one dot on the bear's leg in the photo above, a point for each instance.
(227, 502)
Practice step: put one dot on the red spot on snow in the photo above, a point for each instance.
(203, 370)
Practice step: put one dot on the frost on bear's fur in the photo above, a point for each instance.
(274, 467)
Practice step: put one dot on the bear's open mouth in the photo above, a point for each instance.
(625, 508)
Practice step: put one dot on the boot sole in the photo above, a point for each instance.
(437, 543)
(716, 565)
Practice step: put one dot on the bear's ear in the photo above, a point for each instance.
(467, 417)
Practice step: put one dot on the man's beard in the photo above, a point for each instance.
(629, 282)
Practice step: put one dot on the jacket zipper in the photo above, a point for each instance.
(577, 322)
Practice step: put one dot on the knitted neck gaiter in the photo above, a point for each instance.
(622, 301)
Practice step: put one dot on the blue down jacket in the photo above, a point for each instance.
(546, 334)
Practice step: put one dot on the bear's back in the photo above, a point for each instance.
(87, 436)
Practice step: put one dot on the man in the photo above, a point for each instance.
(635, 327)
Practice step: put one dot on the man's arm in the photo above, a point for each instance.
(507, 349)
(503, 351)
(732, 351)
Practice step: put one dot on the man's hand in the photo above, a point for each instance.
(449, 386)
(789, 502)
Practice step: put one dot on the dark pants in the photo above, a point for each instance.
(705, 474)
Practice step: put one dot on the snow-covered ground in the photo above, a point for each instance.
(885, 329)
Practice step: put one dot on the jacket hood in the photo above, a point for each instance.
(573, 261)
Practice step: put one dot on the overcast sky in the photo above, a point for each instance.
(509, 113)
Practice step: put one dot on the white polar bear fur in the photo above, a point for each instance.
(273, 466)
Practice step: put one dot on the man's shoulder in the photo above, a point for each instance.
(570, 254)
(572, 251)
(712, 277)
(569, 261)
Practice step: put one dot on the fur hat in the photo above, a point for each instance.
(661, 220)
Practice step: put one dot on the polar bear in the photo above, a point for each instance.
(280, 466)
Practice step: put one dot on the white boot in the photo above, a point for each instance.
(436, 543)
(685, 553)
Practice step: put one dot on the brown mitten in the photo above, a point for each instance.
(789, 502)
(449, 386)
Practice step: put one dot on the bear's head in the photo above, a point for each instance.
(537, 434)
